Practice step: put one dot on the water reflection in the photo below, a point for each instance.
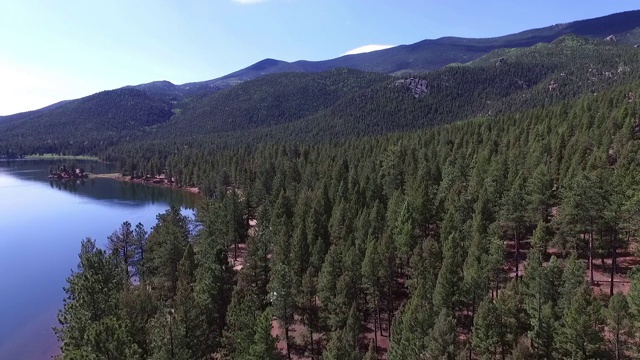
(41, 225)
(126, 193)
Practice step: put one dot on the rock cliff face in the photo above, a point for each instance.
(418, 87)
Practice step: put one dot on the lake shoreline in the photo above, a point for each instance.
(152, 181)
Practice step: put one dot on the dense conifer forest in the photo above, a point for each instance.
(377, 224)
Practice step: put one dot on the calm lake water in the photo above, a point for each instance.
(41, 226)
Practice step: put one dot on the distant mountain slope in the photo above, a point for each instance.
(428, 55)
(270, 100)
(504, 81)
(25, 115)
(98, 118)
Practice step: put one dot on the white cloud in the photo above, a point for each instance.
(367, 48)
(246, 2)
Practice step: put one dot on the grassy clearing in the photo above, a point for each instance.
(58, 156)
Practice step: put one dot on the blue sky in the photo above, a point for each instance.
(55, 50)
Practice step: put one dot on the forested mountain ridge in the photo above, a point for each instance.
(335, 104)
(501, 82)
(428, 55)
(269, 100)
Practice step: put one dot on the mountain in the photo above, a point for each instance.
(274, 100)
(502, 82)
(428, 55)
(270, 100)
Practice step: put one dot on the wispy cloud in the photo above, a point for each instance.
(367, 48)
(247, 2)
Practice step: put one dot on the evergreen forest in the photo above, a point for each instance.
(492, 211)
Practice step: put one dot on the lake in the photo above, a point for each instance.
(41, 225)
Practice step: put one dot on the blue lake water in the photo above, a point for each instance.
(41, 225)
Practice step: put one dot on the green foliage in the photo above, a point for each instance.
(264, 345)
(413, 233)
(619, 324)
(488, 333)
(580, 330)
(90, 322)
(165, 247)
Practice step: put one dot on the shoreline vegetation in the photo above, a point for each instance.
(68, 173)
(148, 180)
(61, 157)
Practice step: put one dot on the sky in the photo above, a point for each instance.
(53, 50)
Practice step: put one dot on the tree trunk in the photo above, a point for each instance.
(616, 345)
(375, 330)
(313, 353)
(286, 336)
(378, 315)
(310, 325)
(286, 332)
(591, 255)
(389, 310)
(235, 250)
(614, 259)
(517, 241)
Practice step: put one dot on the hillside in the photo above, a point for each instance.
(501, 82)
(335, 104)
(94, 121)
(428, 55)
(268, 101)
(436, 243)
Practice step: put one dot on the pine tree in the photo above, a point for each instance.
(511, 314)
(283, 300)
(424, 266)
(539, 194)
(539, 304)
(307, 305)
(540, 238)
(580, 329)
(633, 300)
(442, 338)
(372, 286)
(450, 277)
(572, 280)
(487, 330)
(91, 310)
(514, 217)
(121, 246)
(403, 233)
(264, 345)
(214, 280)
(371, 353)
(582, 209)
(139, 307)
(241, 316)
(107, 338)
(139, 246)
(340, 348)
(618, 324)
(412, 325)
(165, 247)
(168, 337)
(187, 312)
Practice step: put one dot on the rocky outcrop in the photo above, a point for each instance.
(418, 87)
